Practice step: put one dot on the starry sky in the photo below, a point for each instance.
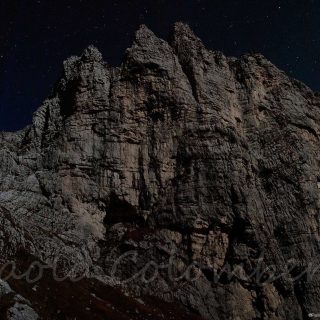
(37, 35)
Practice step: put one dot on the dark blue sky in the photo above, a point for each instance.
(37, 35)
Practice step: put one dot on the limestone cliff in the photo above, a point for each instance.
(194, 163)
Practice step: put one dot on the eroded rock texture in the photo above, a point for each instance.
(180, 156)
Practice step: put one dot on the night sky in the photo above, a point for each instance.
(37, 35)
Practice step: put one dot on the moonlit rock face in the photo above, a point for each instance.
(18, 307)
(22, 312)
(181, 150)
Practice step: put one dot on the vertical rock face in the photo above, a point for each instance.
(196, 164)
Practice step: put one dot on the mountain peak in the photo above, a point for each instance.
(143, 35)
(91, 53)
(183, 33)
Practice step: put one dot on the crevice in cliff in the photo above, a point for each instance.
(119, 210)
(67, 97)
(189, 73)
(144, 195)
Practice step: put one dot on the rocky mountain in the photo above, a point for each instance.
(181, 185)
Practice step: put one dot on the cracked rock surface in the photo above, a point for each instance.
(192, 162)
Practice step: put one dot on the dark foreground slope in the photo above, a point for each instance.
(193, 174)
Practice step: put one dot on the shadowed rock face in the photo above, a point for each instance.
(183, 157)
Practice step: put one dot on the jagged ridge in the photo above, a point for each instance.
(182, 150)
